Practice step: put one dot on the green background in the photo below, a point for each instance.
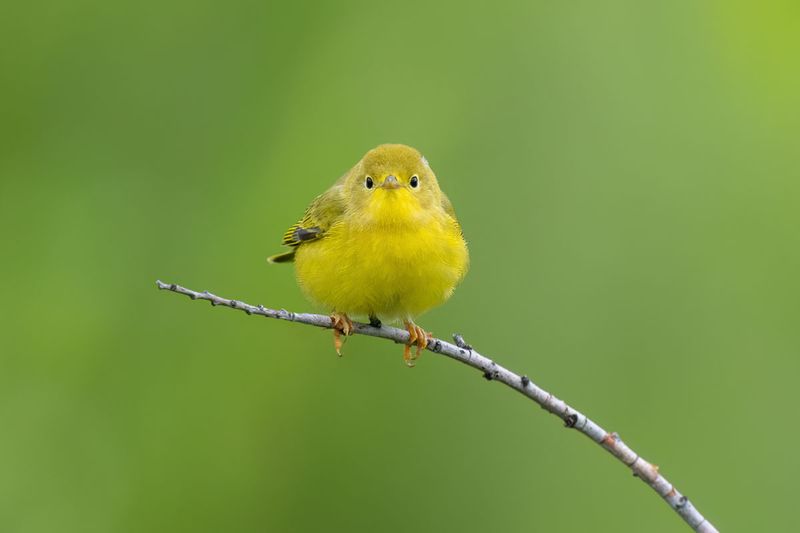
(626, 174)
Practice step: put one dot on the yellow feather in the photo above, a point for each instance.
(393, 249)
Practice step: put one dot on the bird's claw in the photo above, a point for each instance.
(416, 337)
(341, 324)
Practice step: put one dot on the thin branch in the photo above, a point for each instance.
(464, 353)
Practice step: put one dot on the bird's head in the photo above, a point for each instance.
(393, 183)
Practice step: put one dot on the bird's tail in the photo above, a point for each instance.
(286, 257)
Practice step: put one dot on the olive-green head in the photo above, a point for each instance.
(395, 181)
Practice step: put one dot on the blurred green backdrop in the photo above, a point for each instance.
(626, 175)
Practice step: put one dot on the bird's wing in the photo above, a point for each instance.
(451, 212)
(318, 218)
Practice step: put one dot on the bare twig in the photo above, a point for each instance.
(464, 353)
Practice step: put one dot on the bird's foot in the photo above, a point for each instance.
(416, 337)
(375, 322)
(341, 324)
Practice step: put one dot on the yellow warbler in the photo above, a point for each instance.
(383, 242)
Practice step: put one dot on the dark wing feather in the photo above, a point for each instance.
(298, 234)
(320, 215)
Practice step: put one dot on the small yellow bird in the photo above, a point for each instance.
(383, 241)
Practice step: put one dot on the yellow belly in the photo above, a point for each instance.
(391, 273)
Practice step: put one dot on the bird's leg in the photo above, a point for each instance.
(341, 323)
(374, 321)
(416, 337)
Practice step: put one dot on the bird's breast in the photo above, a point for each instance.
(394, 270)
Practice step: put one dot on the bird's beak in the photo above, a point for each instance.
(390, 183)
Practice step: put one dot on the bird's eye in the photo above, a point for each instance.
(414, 182)
(368, 183)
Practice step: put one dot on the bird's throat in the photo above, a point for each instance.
(394, 208)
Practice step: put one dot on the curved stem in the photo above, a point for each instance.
(464, 353)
